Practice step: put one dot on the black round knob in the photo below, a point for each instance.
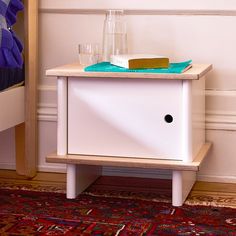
(168, 118)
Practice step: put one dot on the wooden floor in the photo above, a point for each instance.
(43, 180)
(203, 193)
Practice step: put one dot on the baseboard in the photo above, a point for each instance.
(217, 178)
(162, 174)
(130, 172)
(137, 172)
(52, 168)
(7, 166)
(141, 173)
(112, 171)
(42, 168)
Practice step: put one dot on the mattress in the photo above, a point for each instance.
(11, 77)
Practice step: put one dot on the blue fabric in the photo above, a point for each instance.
(17, 41)
(10, 77)
(10, 46)
(3, 8)
(10, 54)
(12, 10)
(108, 67)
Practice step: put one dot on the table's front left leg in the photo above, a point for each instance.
(182, 183)
(79, 177)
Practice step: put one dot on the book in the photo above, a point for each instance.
(140, 61)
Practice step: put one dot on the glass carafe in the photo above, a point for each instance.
(114, 34)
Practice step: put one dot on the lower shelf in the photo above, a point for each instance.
(132, 162)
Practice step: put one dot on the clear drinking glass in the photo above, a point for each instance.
(88, 53)
(114, 34)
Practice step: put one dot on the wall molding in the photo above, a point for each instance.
(7, 166)
(216, 119)
(47, 88)
(47, 108)
(221, 93)
(53, 168)
(170, 12)
(221, 120)
(162, 174)
(221, 110)
(216, 178)
(47, 112)
(131, 172)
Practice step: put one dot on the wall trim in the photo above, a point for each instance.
(215, 119)
(52, 88)
(218, 92)
(220, 120)
(7, 166)
(216, 178)
(53, 168)
(131, 172)
(198, 12)
(221, 112)
(47, 107)
(47, 112)
(136, 172)
(162, 174)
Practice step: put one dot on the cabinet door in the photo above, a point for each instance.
(125, 117)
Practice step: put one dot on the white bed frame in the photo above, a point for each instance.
(19, 105)
(12, 107)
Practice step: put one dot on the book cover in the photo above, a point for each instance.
(140, 61)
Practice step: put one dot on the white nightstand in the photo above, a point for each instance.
(130, 120)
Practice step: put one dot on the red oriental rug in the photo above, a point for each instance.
(24, 212)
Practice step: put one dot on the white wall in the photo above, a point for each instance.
(203, 31)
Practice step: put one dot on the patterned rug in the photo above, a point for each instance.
(24, 212)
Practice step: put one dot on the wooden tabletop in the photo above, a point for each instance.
(77, 70)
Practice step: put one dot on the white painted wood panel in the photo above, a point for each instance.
(125, 117)
(198, 115)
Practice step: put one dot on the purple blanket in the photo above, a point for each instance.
(10, 45)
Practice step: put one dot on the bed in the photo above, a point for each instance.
(18, 99)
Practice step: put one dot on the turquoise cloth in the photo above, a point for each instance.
(175, 68)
